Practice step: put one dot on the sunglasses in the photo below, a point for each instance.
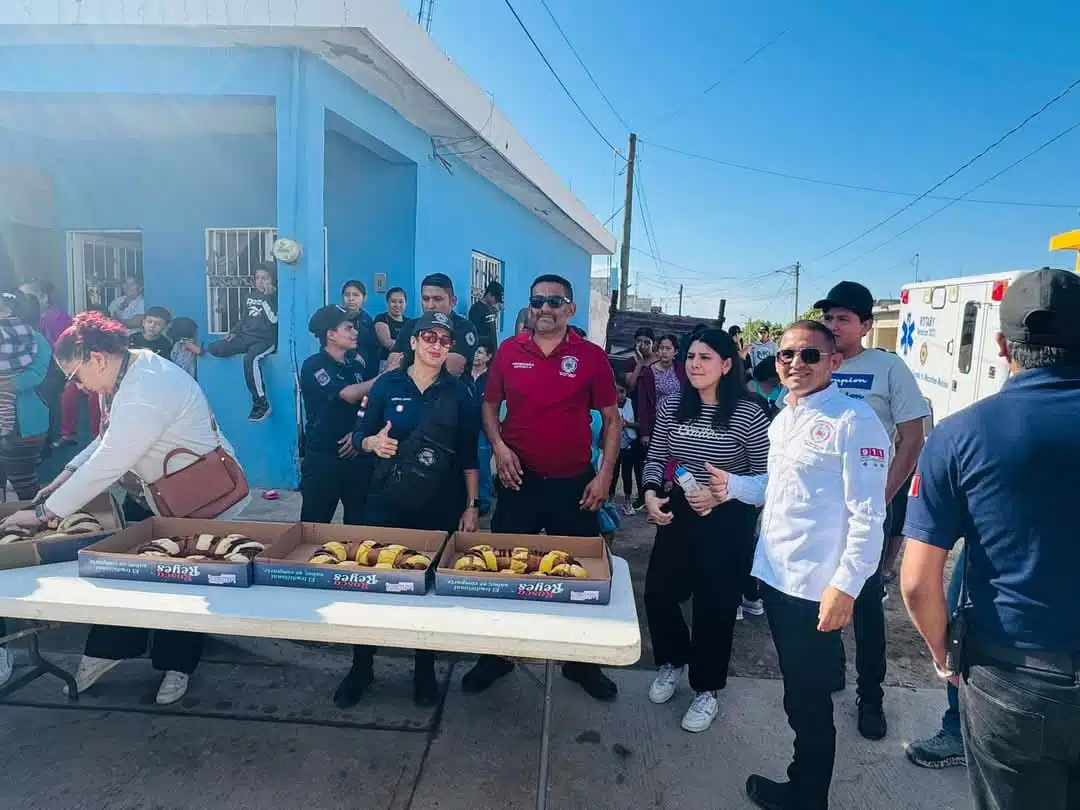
(809, 356)
(553, 301)
(432, 337)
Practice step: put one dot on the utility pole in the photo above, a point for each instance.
(798, 267)
(915, 264)
(720, 313)
(680, 300)
(628, 210)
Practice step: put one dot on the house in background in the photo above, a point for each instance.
(175, 141)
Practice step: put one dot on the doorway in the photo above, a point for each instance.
(98, 263)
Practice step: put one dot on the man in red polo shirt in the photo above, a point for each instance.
(551, 380)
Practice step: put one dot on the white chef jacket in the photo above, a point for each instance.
(824, 496)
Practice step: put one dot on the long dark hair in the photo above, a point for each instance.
(730, 389)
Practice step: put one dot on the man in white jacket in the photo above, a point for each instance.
(821, 538)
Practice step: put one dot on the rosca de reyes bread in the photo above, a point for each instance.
(520, 561)
(369, 554)
(78, 523)
(203, 547)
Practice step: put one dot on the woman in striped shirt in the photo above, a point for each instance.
(703, 548)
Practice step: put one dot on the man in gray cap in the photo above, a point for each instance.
(1004, 474)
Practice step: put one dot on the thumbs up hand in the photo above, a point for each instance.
(381, 444)
(718, 483)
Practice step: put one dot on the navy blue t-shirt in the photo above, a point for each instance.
(328, 416)
(1004, 474)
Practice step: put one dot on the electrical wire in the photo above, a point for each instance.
(584, 67)
(562, 84)
(953, 202)
(646, 218)
(955, 172)
(850, 186)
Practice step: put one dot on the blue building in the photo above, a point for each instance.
(174, 141)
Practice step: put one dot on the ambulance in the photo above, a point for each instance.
(948, 338)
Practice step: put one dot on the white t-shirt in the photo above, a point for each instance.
(759, 351)
(124, 309)
(626, 438)
(886, 384)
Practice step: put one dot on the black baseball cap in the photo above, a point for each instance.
(848, 295)
(1043, 308)
(496, 289)
(327, 318)
(433, 320)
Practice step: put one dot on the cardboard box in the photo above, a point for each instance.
(24, 553)
(114, 557)
(286, 563)
(591, 552)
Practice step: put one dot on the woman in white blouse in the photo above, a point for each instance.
(151, 408)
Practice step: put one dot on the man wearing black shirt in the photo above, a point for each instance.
(485, 313)
(437, 295)
(151, 337)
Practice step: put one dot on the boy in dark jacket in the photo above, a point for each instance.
(255, 337)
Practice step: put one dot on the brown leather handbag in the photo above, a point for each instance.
(201, 490)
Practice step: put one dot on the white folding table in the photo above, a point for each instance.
(600, 634)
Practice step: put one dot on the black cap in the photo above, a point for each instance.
(848, 295)
(496, 289)
(433, 320)
(327, 318)
(1043, 308)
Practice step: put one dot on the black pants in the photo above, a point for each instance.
(808, 660)
(869, 621)
(707, 559)
(326, 480)
(630, 465)
(254, 350)
(548, 505)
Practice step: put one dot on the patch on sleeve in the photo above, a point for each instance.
(916, 485)
(322, 377)
(875, 453)
(470, 338)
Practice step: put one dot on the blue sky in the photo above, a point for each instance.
(892, 96)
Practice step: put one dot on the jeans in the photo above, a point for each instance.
(808, 661)
(950, 721)
(486, 491)
(1022, 737)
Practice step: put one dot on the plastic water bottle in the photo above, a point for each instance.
(685, 479)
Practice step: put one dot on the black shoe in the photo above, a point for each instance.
(767, 794)
(484, 674)
(872, 723)
(260, 409)
(592, 679)
(352, 688)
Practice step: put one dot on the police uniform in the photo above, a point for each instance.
(464, 334)
(1004, 474)
(325, 477)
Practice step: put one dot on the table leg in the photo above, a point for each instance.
(40, 666)
(545, 738)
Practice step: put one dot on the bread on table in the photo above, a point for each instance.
(203, 548)
(369, 554)
(520, 560)
(78, 523)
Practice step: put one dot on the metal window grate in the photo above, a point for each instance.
(485, 269)
(231, 256)
(99, 261)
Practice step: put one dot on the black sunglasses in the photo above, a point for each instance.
(809, 356)
(553, 301)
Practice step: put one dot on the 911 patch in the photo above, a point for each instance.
(875, 453)
(322, 377)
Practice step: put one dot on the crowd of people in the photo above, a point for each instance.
(777, 474)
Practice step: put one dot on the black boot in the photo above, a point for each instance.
(486, 671)
(425, 687)
(592, 679)
(358, 679)
(769, 795)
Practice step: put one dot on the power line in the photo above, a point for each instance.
(955, 172)
(646, 217)
(562, 84)
(584, 67)
(850, 186)
(951, 203)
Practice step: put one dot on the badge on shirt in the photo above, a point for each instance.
(569, 364)
(821, 433)
(470, 338)
(322, 377)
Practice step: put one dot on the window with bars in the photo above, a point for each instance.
(231, 256)
(485, 269)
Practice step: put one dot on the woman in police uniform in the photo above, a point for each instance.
(422, 428)
(333, 382)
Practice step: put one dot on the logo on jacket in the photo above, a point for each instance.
(821, 432)
(907, 334)
(569, 364)
(875, 453)
(470, 338)
(322, 377)
(426, 457)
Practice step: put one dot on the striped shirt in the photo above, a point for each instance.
(742, 449)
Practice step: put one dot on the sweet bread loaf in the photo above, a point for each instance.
(203, 547)
(78, 523)
(520, 560)
(369, 554)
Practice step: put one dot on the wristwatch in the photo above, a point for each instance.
(474, 504)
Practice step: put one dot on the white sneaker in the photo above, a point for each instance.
(701, 713)
(628, 509)
(173, 687)
(738, 614)
(90, 671)
(755, 607)
(7, 665)
(663, 686)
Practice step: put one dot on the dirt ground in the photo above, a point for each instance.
(753, 654)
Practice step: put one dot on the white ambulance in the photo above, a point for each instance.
(948, 338)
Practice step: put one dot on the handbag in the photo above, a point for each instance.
(203, 489)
